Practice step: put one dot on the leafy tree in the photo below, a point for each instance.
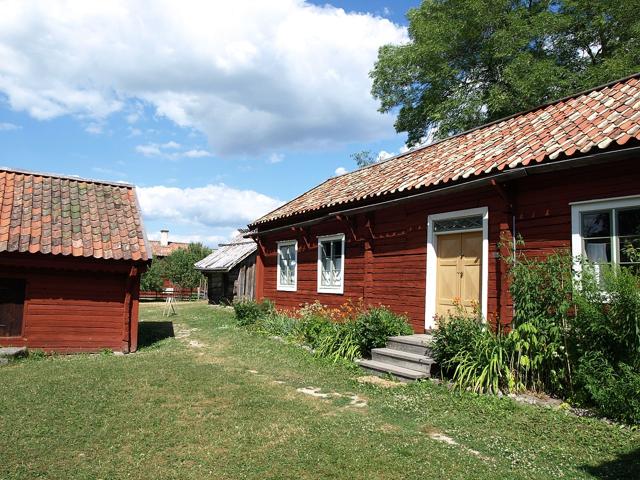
(473, 61)
(179, 268)
(363, 158)
(152, 279)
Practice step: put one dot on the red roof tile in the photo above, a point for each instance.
(162, 251)
(49, 214)
(593, 120)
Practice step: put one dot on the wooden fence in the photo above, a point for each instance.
(177, 293)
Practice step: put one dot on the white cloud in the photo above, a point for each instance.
(383, 155)
(95, 128)
(275, 158)
(210, 206)
(149, 150)
(253, 76)
(196, 153)
(6, 126)
(341, 171)
(170, 150)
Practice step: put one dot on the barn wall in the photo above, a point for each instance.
(77, 309)
(386, 249)
(237, 284)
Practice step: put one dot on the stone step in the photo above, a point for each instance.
(13, 352)
(418, 344)
(381, 369)
(400, 358)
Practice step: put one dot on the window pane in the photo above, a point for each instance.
(629, 222)
(630, 249)
(331, 263)
(596, 224)
(464, 223)
(598, 251)
(287, 264)
(12, 293)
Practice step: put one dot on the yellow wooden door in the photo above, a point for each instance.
(458, 274)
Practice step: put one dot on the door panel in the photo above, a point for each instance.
(458, 278)
(447, 285)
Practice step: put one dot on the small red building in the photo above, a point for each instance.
(422, 231)
(71, 255)
(163, 248)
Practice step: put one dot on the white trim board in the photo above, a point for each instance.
(432, 260)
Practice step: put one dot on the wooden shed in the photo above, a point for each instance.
(230, 270)
(431, 227)
(71, 255)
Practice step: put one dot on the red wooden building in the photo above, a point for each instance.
(71, 255)
(422, 230)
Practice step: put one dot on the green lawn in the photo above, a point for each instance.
(217, 402)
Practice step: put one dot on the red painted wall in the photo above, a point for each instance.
(395, 271)
(75, 305)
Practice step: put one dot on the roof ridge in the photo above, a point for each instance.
(22, 171)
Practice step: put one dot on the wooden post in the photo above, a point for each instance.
(259, 292)
(368, 259)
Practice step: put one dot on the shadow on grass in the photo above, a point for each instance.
(625, 466)
(150, 333)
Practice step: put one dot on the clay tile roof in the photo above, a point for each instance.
(162, 251)
(589, 121)
(57, 215)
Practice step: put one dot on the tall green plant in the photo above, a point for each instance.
(541, 289)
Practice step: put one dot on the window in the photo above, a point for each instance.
(287, 265)
(607, 232)
(12, 293)
(331, 264)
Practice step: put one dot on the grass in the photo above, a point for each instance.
(217, 402)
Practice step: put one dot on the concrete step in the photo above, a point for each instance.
(400, 358)
(418, 344)
(381, 369)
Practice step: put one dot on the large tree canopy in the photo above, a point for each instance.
(469, 62)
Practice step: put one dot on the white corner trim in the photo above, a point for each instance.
(287, 288)
(339, 290)
(432, 261)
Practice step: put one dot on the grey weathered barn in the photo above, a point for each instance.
(230, 271)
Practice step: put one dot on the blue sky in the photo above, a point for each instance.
(217, 113)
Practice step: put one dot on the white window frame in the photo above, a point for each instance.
(294, 287)
(578, 208)
(331, 238)
(432, 259)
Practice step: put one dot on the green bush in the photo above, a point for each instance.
(485, 365)
(276, 323)
(615, 392)
(249, 311)
(455, 334)
(312, 329)
(340, 341)
(375, 325)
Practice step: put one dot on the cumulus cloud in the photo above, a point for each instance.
(6, 126)
(253, 76)
(211, 206)
(341, 171)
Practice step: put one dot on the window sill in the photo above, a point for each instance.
(334, 291)
(286, 288)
